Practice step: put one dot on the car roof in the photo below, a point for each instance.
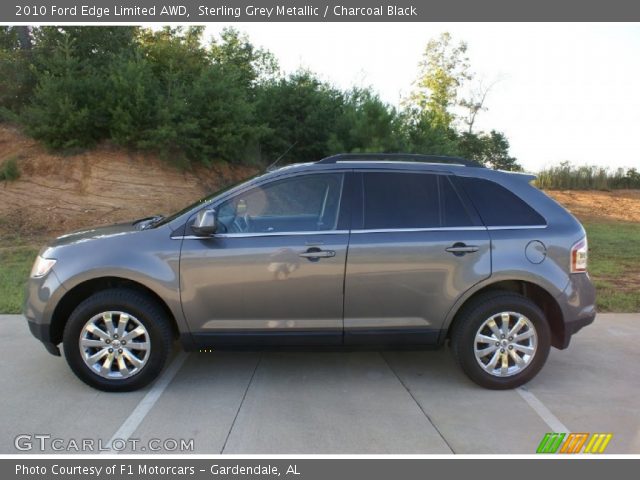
(398, 161)
(398, 157)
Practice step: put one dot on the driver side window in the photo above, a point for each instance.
(305, 203)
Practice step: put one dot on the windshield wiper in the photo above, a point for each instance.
(148, 222)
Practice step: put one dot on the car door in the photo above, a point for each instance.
(274, 271)
(415, 248)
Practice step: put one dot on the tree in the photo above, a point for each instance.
(252, 65)
(224, 119)
(366, 124)
(299, 111)
(431, 124)
(492, 150)
(16, 78)
(9, 38)
(132, 100)
(59, 112)
(475, 103)
(443, 70)
(168, 91)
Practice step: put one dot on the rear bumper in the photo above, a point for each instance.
(578, 304)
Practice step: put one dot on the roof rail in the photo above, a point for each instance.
(398, 157)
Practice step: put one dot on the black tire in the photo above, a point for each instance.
(146, 311)
(472, 317)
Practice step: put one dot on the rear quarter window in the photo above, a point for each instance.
(497, 205)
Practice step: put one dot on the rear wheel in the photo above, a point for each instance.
(501, 340)
(117, 340)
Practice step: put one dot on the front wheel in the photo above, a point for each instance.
(117, 340)
(501, 340)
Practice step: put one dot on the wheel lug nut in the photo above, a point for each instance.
(123, 342)
(119, 350)
(502, 336)
(108, 341)
(115, 336)
(111, 350)
(502, 350)
(510, 347)
(497, 344)
(511, 339)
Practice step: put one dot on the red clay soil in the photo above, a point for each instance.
(57, 193)
(616, 205)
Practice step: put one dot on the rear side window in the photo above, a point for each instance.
(410, 200)
(498, 206)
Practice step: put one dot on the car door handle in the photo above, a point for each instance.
(316, 253)
(459, 249)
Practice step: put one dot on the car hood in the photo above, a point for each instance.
(95, 234)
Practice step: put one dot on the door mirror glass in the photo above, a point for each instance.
(205, 222)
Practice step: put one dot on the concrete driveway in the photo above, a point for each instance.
(334, 403)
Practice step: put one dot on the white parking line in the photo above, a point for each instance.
(134, 420)
(543, 412)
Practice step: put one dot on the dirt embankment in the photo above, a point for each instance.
(57, 193)
(616, 205)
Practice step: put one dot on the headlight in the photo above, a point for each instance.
(42, 266)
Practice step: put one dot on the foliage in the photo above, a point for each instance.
(301, 114)
(16, 78)
(443, 70)
(490, 149)
(568, 177)
(9, 169)
(366, 124)
(431, 109)
(251, 65)
(169, 91)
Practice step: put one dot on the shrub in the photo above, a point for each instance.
(9, 169)
(568, 177)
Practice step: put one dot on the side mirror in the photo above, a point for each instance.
(206, 223)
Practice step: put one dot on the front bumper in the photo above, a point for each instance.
(40, 301)
(41, 332)
(578, 305)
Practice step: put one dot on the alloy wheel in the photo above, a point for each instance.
(505, 344)
(114, 345)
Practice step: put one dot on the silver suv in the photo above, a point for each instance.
(350, 251)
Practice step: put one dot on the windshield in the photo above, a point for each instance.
(202, 201)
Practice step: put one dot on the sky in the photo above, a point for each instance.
(563, 91)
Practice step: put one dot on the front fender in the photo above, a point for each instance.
(150, 259)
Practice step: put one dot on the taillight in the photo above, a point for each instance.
(579, 256)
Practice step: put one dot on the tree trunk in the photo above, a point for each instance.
(24, 37)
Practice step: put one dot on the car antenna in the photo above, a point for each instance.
(270, 167)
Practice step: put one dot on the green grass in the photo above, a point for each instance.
(15, 265)
(614, 265)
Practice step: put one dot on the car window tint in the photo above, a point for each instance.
(454, 213)
(498, 206)
(400, 200)
(296, 204)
